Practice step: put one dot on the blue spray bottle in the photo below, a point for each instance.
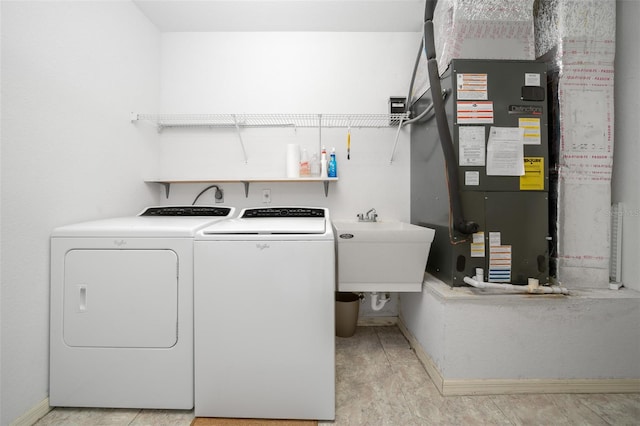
(333, 165)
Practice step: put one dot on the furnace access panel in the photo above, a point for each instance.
(498, 106)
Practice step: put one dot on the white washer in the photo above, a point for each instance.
(264, 315)
(122, 309)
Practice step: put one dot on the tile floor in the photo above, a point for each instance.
(381, 382)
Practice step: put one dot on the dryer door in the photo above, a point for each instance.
(121, 298)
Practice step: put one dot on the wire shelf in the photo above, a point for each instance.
(273, 120)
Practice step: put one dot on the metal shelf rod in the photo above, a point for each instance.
(272, 120)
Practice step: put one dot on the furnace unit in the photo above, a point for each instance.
(496, 112)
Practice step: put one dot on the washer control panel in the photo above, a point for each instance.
(283, 212)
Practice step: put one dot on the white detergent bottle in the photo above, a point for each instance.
(323, 163)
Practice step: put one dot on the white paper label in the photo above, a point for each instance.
(494, 238)
(505, 153)
(469, 112)
(471, 86)
(472, 178)
(531, 79)
(472, 146)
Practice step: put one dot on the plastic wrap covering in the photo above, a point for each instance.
(577, 39)
(558, 22)
(479, 29)
(486, 29)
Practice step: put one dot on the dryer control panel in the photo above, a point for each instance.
(186, 211)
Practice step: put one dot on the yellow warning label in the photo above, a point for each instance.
(477, 246)
(531, 128)
(533, 178)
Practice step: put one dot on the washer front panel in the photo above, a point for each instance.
(264, 329)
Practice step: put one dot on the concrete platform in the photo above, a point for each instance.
(479, 342)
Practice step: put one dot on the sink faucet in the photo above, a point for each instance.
(370, 216)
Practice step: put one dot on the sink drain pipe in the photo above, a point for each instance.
(377, 302)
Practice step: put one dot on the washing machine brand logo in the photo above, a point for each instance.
(119, 243)
(262, 246)
(346, 236)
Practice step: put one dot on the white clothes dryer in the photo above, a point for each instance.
(264, 315)
(121, 332)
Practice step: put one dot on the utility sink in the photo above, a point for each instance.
(384, 256)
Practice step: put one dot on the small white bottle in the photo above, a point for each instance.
(315, 165)
(323, 163)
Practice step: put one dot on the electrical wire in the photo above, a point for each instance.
(217, 195)
(428, 109)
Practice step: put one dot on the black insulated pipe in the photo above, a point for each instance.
(429, 7)
(429, 43)
(428, 16)
(460, 224)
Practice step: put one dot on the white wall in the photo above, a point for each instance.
(71, 74)
(1, 316)
(288, 72)
(627, 130)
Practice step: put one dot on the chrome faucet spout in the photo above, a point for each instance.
(372, 215)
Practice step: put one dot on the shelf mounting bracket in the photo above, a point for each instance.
(167, 188)
(395, 144)
(244, 152)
